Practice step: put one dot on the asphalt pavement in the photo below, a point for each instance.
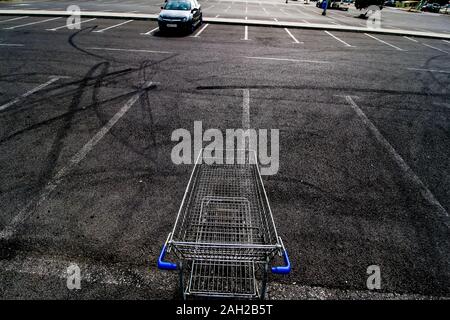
(268, 10)
(86, 118)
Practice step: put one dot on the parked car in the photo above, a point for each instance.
(335, 4)
(341, 4)
(431, 7)
(445, 9)
(390, 3)
(183, 15)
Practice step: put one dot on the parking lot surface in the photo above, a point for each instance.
(86, 118)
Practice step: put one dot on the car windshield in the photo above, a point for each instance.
(177, 5)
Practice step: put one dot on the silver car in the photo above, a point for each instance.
(183, 15)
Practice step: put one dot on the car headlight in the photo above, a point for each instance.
(185, 19)
(160, 18)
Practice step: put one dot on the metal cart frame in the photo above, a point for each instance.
(224, 235)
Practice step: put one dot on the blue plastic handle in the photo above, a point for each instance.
(284, 269)
(163, 265)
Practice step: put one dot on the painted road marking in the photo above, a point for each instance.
(340, 40)
(114, 26)
(200, 31)
(382, 41)
(246, 109)
(287, 59)
(28, 93)
(411, 39)
(428, 70)
(127, 50)
(11, 45)
(13, 19)
(446, 41)
(407, 171)
(427, 45)
(245, 32)
(246, 118)
(20, 218)
(31, 23)
(75, 24)
(150, 32)
(292, 36)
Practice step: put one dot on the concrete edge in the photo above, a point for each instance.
(232, 21)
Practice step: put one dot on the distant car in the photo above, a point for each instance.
(183, 15)
(340, 4)
(335, 4)
(431, 7)
(319, 4)
(445, 9)
(390, 3)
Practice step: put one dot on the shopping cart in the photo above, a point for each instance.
(224, 236)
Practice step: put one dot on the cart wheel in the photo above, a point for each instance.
(264, 282)
(181, 280)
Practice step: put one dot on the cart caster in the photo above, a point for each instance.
(181, 281)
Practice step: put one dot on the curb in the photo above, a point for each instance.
(232, 21)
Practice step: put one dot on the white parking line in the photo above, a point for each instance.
(150, 32)
(245, 33)
(31, 23)
(292, 36)
(13, 19)
(11, 45)
(411, 39)
(428, 70)
(446, 41)
(382, 41)
(75, 24)
(114, 26)
(200, 31)
(127, 50)
(340, 40)
(427, 45)
(20, 218)
(407, 171)
(287, 59)
(245, 109)
(28, 93)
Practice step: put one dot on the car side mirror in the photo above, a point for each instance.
(194, 10)
(162, 7)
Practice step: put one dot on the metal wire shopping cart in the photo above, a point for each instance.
(224, 235)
